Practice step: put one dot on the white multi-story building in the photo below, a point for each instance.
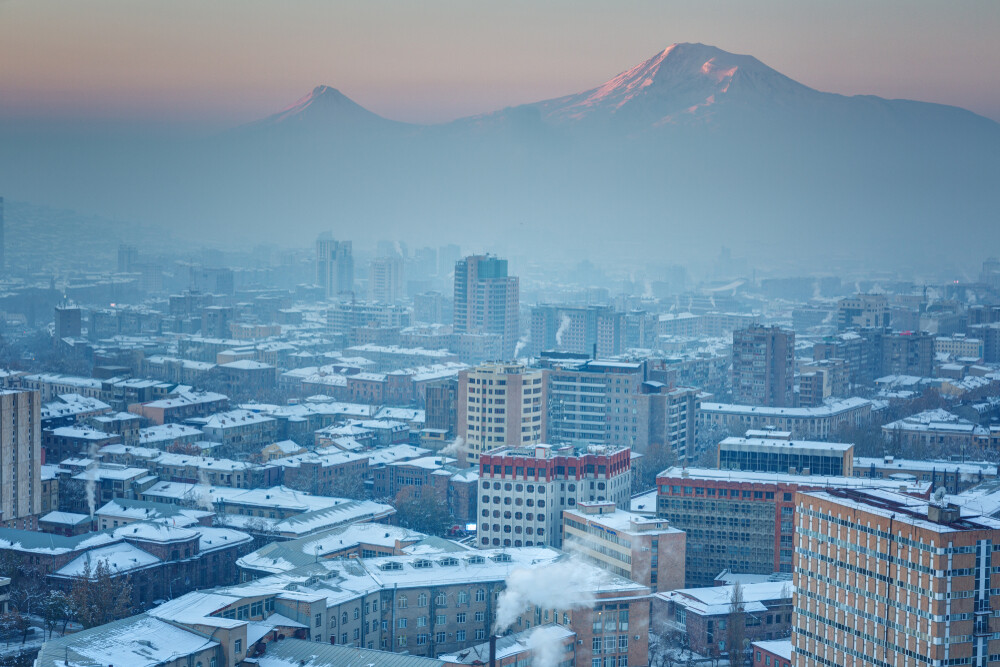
(523, 490)
(500, 405)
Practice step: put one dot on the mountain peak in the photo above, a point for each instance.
(324, 105)
(684, 78)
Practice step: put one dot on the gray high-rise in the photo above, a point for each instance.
(334, 266)
(487, 300)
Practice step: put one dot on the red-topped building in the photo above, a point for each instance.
(523, 490)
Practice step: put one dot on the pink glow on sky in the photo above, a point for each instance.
(233, 61)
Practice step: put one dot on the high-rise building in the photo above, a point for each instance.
(487, 300)
(525, 489)
(334, 266)
(500, 405)
(764, 366)
(20, 458)
(385, 279)
(583, 329)
(128, 258)
(884, 579)
(68, 321)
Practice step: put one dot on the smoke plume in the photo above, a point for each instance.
(545, 644)
(521, 344)
(564, 325)
(565, 584)
(456, 448)
(91, 486)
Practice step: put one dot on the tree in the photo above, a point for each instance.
(425, 514)
(57, 608)
(350, 484)
(97, 597)
(655, 460)
(13, 622)
(736, 627)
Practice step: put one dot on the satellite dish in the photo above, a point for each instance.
(939, 495)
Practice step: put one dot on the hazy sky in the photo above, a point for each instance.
(231, 61)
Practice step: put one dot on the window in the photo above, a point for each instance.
(480, 634)
(480, 616)
(441, 600)
(401, 602)
(238, 646)
(460, 636)
(422, 600)
(401, 622)
(401, 640)
(440, 619)
(318, 620)
(460, 618)
(421, 621)
(463, 597)
(422, 639)
(439, 637)
(480, 595)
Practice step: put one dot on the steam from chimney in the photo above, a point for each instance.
(456, 448)
(203, 492)
(545, 644)
(564, 325)
(91, 486)
(521, 344)
(565, 584)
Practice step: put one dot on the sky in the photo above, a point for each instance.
(226, 62)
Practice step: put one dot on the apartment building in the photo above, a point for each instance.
(487, 300)
(884, 579)
(863, 311)
(646, 550)
(523, 490)
(764, 366)
(20, 458)
(500, 405)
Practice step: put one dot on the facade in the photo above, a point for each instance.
(597, 402)
(822, 380)
(883, 580)
(592, 330)
(487, 300)
(863, 311)
(938, 431)
(68, 322)
(646, 550)
(764, 366)
(334, 267)
(743, 521)
(525, 489)
(500, 405)
(20, 458)
(908, 353)
(819, 423)
(959, 345)
(385, 279)
(777, 454)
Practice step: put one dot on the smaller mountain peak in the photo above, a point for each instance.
(325, 91)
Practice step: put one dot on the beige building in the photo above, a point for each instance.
(647, 551)
(884, 579)
(500, 405)
(20, 459)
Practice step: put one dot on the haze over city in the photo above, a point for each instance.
(447, 334)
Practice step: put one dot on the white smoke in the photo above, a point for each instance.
(817, 294)
(456, 448)
(521, 344)
(545, 644)
(91, 486)
(563, 585)
(647, 292)
(203, 492)
(564, 325)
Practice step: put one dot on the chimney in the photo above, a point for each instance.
(493, 650)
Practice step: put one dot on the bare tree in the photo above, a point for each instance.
(736, 627)
(97, 597)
